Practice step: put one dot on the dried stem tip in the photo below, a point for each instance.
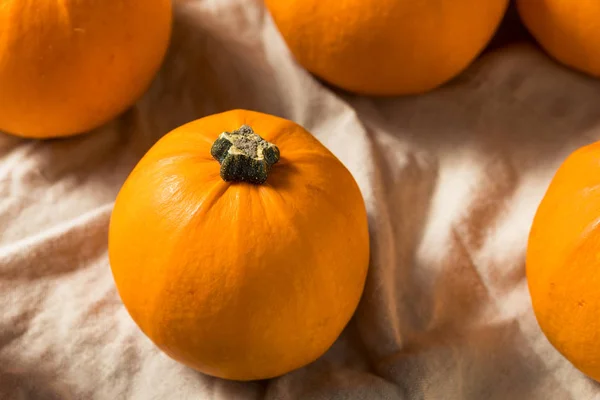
(244, 156)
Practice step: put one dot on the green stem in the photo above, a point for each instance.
(244, 156)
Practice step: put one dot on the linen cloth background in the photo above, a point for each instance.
(451, 180)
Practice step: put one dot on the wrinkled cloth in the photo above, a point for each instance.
(451, 180)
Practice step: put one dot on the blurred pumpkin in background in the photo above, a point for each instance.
(563, 260)
(569, 30)
(386, 47)
(69, 66)
(239, 245)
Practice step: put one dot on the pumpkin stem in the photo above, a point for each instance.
(244, 156)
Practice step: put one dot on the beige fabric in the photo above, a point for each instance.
(451, 180)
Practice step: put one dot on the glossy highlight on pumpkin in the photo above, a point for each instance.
(240, 280)
(67, 67)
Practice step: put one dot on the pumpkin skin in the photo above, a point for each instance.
(563, 260)
(569, 31)
(386, 47)
(238, 280)
(67, 67)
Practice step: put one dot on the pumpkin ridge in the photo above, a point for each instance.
(204, 205)
(211, 197)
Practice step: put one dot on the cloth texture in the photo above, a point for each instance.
(451, 180)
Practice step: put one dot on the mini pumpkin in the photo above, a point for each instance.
(69, 66)
(239, 245)
(386, 47)
(563, 260)
(569, 31)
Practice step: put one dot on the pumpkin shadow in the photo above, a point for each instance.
(510, 31)
(343, 372)
(227, 389)
(282, 175)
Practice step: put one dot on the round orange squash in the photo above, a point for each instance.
(563, 260)
(569, 30)
(386, 47)
(67, 67)
(239, 245)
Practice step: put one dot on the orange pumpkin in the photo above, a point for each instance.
(563, 260)
(386, 47)
(569, 30)
(69, 66)
(239, 245)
